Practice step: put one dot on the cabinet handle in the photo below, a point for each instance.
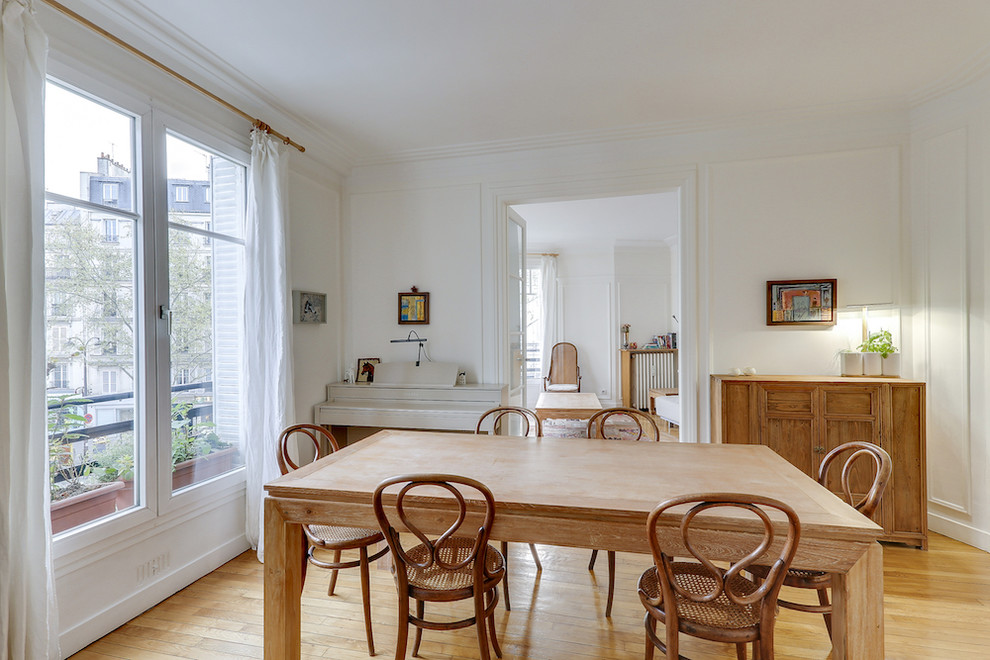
(819, 450)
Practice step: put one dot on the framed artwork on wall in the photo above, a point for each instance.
(801, 302)
(366, 369)
(414, 307)
(309, 307)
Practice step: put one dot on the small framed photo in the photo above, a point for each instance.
(309, 307)
(801, 302)
(366, 369)
(414, 308)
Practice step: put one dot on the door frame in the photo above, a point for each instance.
(694, 353)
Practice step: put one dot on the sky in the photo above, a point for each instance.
(78, 130)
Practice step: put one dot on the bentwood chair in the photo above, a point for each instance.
(331, 538)
(448, 567)
(698, 598)
(597, 428)
(527, 419)
(564, 374)
(860, 460)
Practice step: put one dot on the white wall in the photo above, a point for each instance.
(949, 161)
(586, 313)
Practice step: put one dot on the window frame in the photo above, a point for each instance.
(157, 505)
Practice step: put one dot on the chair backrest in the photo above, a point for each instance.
(564, 364)
(714, 581)
(643, 421)
(441, 550)
(311, 431)
(855, 474)
(529, 419)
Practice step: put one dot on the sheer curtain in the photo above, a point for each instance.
(28, 618)
(548, 307)
(267, 334)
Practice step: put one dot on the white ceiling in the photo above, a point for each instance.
(390, 77)
(604, 222)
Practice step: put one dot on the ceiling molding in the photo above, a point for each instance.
(640, 132)
(146, 30)
(977, 68)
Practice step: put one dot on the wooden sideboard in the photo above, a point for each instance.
(803, 417)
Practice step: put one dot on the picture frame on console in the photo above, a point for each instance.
(366, 369)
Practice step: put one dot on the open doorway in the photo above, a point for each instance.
(613, 261)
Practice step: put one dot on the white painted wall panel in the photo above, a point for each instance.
(584, 324)
(945, 201)
(826, 215)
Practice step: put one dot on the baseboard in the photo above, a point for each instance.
(978, 538)
(119, 613)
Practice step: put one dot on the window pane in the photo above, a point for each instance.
(88, 149)
(89, 290)
(205, 287)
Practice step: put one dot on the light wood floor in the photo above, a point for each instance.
(937, 605)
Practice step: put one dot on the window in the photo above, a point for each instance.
(206, 194)
(534, 322)
(92, 274)
(110, 230)
(111, 193)
(182, 376)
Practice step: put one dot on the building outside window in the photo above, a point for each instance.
(109, 381)
(182, 193)
(111, 193)
(110, 230)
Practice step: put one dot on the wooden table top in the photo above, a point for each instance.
(568, 401)
(588, 479)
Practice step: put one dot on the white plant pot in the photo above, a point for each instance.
(872, 364)
(852, 364)
(892, 365)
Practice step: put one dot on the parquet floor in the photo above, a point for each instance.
(937, 605)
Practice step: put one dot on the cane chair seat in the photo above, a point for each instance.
(453, 551)
(342, 538)
(720, 613)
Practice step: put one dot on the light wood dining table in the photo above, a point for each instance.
(578, 493)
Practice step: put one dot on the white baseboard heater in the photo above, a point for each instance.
(651, 370)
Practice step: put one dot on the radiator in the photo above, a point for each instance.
(650, 370)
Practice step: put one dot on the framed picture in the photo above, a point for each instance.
(366, 370)
(801, 302)
(309, 307)
(414, 308)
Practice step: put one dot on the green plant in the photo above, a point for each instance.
(66, 474)
(191, 439)
(116, 461)
(879, 342)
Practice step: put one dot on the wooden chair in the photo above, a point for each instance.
(564, 374)
(333, 538)
(701, 599)
(449, 567)
(853, 479)
(528, 420)
(596, 429)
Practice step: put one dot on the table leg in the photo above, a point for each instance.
(857, 609)
(283, 584)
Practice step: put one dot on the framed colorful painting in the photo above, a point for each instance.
(414, 308)
(801, 302)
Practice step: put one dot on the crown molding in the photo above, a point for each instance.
(973, 70)
(145, 29)
(752, 120)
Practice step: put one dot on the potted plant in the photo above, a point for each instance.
(852, 362)
(198, 453)
(880, 356)
(77, 495)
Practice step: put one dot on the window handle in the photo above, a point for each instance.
(165, 314)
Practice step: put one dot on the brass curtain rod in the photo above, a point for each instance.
(542, 254)
(256, 123)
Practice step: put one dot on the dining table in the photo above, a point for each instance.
(583, 493)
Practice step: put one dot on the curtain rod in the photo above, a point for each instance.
(256, 123)
(542, 254)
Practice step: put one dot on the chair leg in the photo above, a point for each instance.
(741, 651)
(823, 600)
(651, 625)
(536, 557)
(366, 597)
(421, 613)
(491, 625)
(402, 631)
(505, 580)
(479, 624)
(594, 556)
(333, 573)
(611, 582)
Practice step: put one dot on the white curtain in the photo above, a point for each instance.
(548, 307)
(267, 335)
(28, 618)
